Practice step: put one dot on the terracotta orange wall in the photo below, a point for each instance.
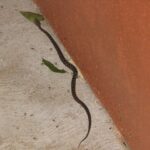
(110, 42)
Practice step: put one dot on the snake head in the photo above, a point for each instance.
(33, 17)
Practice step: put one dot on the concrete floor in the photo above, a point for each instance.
(37, 110)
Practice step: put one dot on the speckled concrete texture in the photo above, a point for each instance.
(37, 111)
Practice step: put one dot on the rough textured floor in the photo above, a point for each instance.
(37, 111)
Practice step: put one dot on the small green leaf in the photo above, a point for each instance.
(52, 67)
(33, 17)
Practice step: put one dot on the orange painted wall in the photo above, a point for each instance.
(110, 42)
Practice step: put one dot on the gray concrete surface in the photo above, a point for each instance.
(37, 111)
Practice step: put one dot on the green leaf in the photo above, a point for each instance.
(33, 17)
(52, 67)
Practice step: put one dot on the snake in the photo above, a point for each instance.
(74, 78)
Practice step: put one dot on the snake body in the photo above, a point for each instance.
(74, 77)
